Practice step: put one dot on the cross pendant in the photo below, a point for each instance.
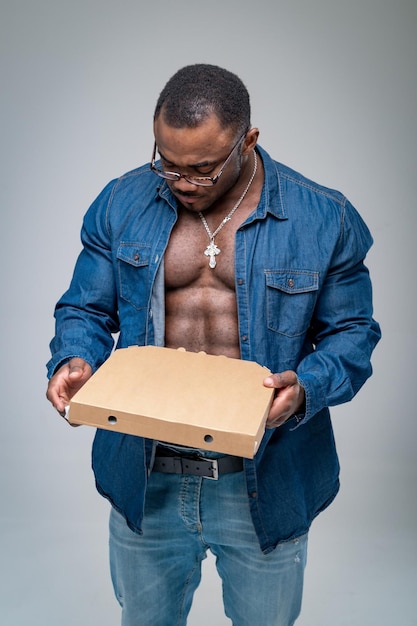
(212, 250)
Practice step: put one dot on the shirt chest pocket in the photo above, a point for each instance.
(133, 261)
(290, 298)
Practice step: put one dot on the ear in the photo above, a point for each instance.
(251, 140)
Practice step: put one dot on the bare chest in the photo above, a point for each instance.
(192, 256)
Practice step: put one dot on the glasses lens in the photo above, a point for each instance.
(203, 181)
(163, 174)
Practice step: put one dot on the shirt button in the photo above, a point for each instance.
(244, 337)
(290, 282)
(136, 257)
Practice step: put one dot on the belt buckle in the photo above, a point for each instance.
(214, 468)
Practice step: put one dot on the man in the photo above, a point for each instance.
(216, 247)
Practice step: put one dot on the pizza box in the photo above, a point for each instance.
(185, 398)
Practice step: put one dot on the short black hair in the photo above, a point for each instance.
(197, 91)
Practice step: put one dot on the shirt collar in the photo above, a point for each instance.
(271, 198)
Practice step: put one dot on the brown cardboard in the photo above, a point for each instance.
(185, 398)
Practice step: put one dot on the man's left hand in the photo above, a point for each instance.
(289, 397)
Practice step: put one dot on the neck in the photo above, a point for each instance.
(236, 205)
(240, 191)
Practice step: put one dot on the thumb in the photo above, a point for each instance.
(283, 379)
(77, 368)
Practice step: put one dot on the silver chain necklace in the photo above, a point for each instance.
(212, 250)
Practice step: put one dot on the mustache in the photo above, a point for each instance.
(186, 194)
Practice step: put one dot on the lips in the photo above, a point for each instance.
(187, 198)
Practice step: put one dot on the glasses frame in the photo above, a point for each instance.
(176, 176)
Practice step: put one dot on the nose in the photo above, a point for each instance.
(184, 186)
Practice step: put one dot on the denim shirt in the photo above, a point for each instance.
(304, 302)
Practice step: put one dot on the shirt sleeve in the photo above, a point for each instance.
(86, 315)
(343, 330)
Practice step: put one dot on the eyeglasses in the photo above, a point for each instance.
(204, 181)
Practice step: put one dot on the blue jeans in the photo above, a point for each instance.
(155, 574)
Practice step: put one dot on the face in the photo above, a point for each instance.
(199, 151)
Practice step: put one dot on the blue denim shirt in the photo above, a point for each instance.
(304, 303)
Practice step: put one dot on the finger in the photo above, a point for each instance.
(53, 396)
(58, 393)
(60, 405)
(281, 379)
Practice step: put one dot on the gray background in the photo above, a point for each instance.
(333, 88)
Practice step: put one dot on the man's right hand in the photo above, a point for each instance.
(66, 382)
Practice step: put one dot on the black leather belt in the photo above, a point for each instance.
(196, 466)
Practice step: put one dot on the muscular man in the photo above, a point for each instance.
(214, 246)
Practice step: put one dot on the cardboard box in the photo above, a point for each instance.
(185, 398)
